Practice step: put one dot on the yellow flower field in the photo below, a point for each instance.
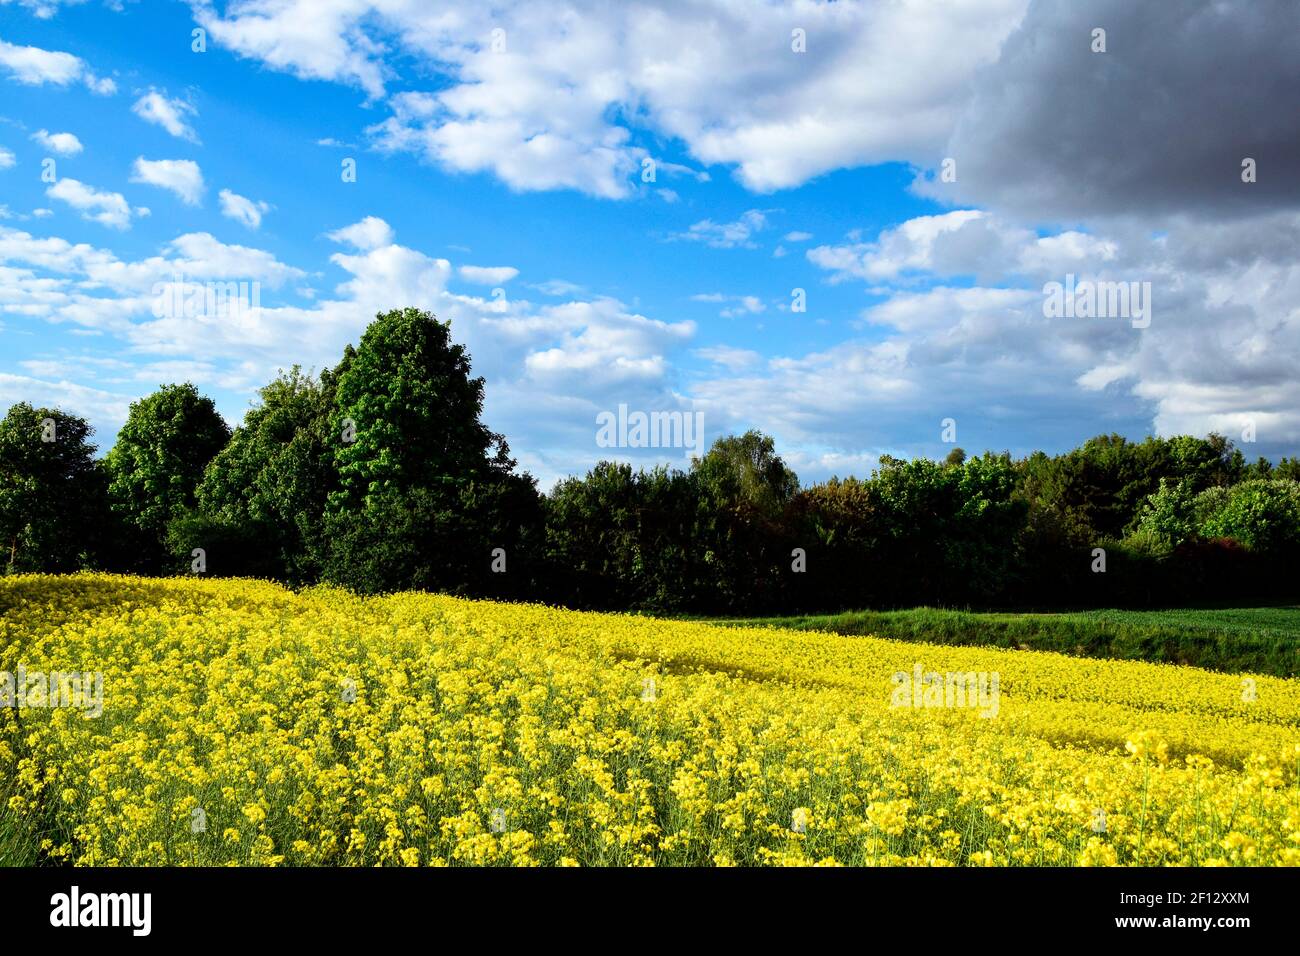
(243, 723)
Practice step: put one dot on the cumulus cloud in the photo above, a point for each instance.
(106, 408)
(171, 114)
(965, 242)
(370, 233)
(243, 210)
(107, 208)
(547, 95)
(65, 144)
(33, 66)
(179, 176)
(1216, 355)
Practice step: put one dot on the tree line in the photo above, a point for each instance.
(380, 475)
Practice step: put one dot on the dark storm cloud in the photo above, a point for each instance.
(1158, 124)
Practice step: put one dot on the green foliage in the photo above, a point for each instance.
(425, 492)
(745, 471)
(618, 538)
(156, 465)
(1168, 517)
(741, 490)
(922, 528)
(1103, 484)
(274, 476)
(230, 548)
(1253, 640)
(1262, 514)
(52, 493)
(416, 413)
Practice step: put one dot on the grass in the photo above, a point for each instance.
(1263, 640)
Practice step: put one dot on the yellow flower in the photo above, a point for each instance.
(514, 734)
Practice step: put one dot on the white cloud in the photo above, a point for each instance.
(558, 288)
(102, 407)
(726, 235)
(109, 209)
(161, 110)
(488, 275)
(962, 242)
(7, 159)
(555, 104)
(180, 176)
(44, 9)
(742, 304)
(370, 233)
(243, 210)
(909, 246)
(745, 305)
(604, 345)
(65, 144)
(729, 357)
(33, 66)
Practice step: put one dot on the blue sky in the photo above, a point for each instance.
(521, 169)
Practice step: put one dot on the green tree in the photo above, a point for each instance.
(1263, 514)
(52, 492)
(158, 460)
(426, 491)
(746, 470)
(262, 499)
(741, 535)
(1168, 516)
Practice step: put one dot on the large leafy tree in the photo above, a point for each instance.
(415, 410)
(158, 460)
(52, 492)
(1262, 514)
(741, 536)
(262, 498)
(425, 491)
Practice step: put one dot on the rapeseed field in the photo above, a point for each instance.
(245, 724)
